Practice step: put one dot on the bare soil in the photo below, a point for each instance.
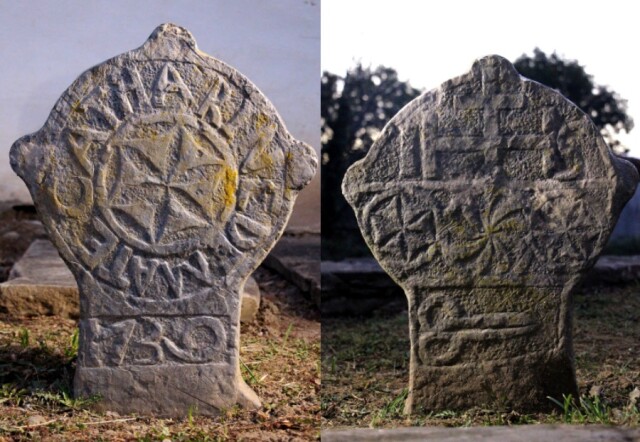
(280, 355)
(365, 368)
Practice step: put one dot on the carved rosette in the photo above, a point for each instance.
(163, 177)
(486, 200)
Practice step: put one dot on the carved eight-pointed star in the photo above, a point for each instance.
(171, 182)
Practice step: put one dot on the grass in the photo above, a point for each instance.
(24, 338)
(365, 369)
(280, 354)
(72, 350)
(391, 410)
(586, 410)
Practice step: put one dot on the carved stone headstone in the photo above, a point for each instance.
(163, 177)
(487, 199)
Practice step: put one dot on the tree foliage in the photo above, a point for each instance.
(605, 107)
(354, 109)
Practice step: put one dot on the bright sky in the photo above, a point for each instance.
(429, 42)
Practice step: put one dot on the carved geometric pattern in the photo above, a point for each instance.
(486, 200)
(163, 177)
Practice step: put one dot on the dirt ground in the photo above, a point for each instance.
(280, 360)
(365, 368)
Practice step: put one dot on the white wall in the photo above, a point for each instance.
(45, 45)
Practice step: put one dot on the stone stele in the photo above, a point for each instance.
(163, 177)
(40, 284)
(487, 200)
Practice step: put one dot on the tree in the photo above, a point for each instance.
(354, 109)
(605, 107)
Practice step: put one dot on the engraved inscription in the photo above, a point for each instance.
(156, 340)
(163, 177)
(153, 278)
(169, 88)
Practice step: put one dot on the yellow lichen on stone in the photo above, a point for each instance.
(151, 133)
(76, 107)
(265, 159)
(226, 114)
(261, 121)
(230, 183)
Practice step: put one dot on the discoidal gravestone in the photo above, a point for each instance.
(163, 177)
(487, 200)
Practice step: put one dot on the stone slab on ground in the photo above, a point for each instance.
(523, 433)
(617, 269)
(297, 258)
(40, 283)
(357, 286)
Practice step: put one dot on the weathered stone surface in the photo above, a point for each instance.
(163, 177)
(250, 301)
(40, 283)
(487, 200)
(517, 433)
